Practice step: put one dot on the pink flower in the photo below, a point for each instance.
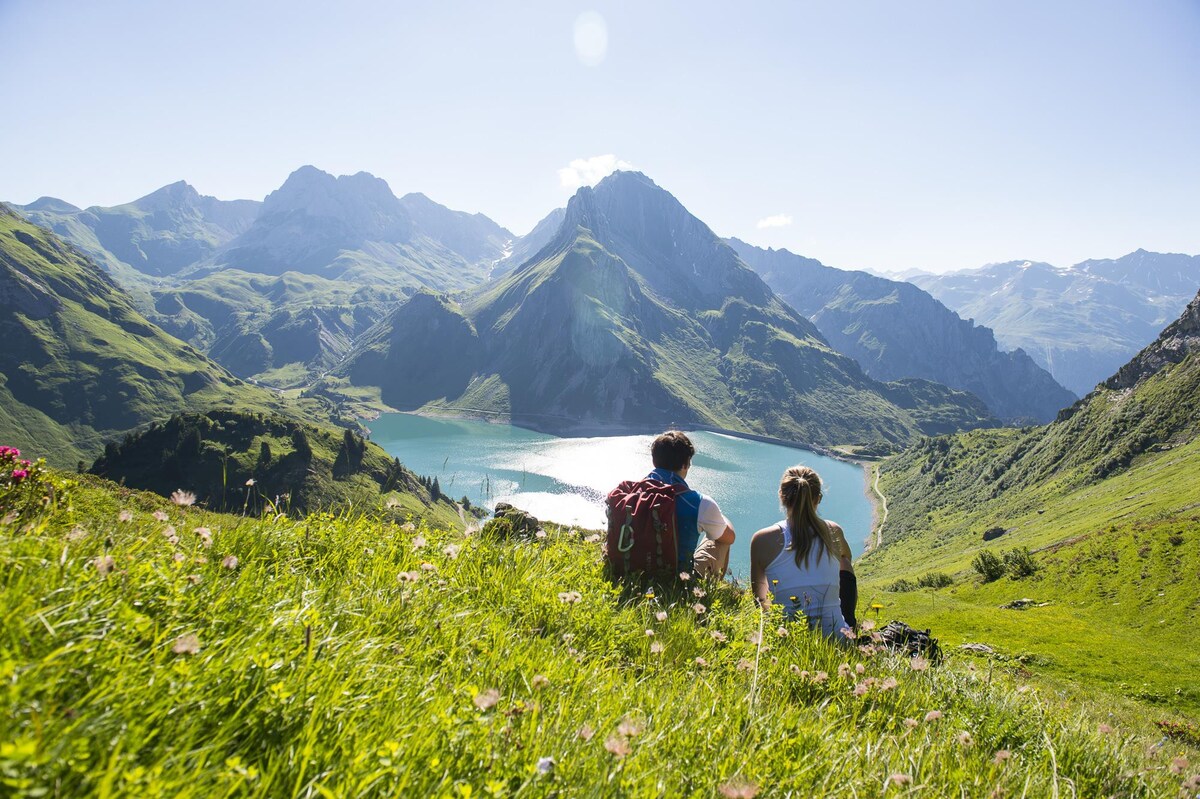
(933, 715)
(487, 700)
(739, 789)
(820, 677)
(965, 738)
(1104, 729)
(699, 609)
(186, 645)
(649, 633)
(1178, 765)
(540, 681)
(585, 733)
(418, 542)
(719, 636)
(888, 684)
(229, 562)
(685, 576)
(860, 668)
(919, 663)
(617, 746)
(630, 728)
(745, 664)
(900, 779)
(701, 662)
(452, 550)
(409, 577)
(125, 516)
(911, 723)
(782, 632)
(183, 498)
(844, 671)
(656, 648)
(868, 625)
(661, 615)
(105, 564)
(1001, 756)
(19, 474)
(861, 689)
(160, 516)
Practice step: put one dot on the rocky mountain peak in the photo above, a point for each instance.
(1179, 340)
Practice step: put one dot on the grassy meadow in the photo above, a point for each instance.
(154, 649)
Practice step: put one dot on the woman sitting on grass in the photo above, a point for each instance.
(803, 563)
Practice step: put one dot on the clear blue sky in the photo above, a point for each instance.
(892, 135)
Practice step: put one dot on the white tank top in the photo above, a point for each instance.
(814, 590)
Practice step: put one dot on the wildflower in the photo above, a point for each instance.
(755, 638)
(585, 733)
(105, 564)
(820, 677)
(183, 498)
(844, 671)
(868, 625)
(919, 663)
(418, 542)
(170, 534)
(699, 608)
(540, 534)
(848, 633)
(205, 536)
(617, 746)
(911, 723)
(1001, 756)
(19, 474)
(569, 597)
(888, 684)
(782, 632)
(861, 688)
(1178, 765)
(177, 557)
(860, 668)
(408, 577)
(661, 615)
(1104, 729)
(409, 527)
(699, 592)
(250, 482)
(630, 728)
(739, 789)
(540, 681)
(186, 645)
(451, 551)
(965, 738)
(125, 516)
(685, 576)
(229, 562)
(745, 664)
(487, 700)
(649, 633)
(545, 765)
(593, 538)
(649, 593)
(426, 566)
(701, 662)
(900, 779)
(933, 715)
(194, 579)
(656, 648)
(719, 636)
(160, 516)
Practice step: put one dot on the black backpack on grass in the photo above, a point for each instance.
(904, 640)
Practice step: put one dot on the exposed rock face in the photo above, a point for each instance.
(896, 330)
(1177, 341)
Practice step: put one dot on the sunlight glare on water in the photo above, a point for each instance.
(565, 479)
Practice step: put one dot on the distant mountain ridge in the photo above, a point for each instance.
(79, 362)
(635, 313)
(1080, 323)
(896, 330)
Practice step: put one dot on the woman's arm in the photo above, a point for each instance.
(841, 547)
(758, 567)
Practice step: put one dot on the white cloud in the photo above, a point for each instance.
(778, 220)
(591, 38)
(590, 171)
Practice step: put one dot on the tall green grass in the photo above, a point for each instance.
(343, 656)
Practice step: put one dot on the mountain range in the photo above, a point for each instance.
(895, 330)
(1080, 323)
(636, 313)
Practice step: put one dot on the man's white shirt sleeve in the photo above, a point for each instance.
(710, 519)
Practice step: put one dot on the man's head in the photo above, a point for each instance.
(672, 450)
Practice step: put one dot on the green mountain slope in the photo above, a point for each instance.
(638, 315)
(1107, 499)
(252, 463)
(351, 657)
(896, 330)
(79, 362)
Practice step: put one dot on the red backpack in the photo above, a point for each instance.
(641, 529)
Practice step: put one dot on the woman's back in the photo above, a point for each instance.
(811, 587)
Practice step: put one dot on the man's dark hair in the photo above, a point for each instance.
(672, 450)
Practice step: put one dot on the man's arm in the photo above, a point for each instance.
(712, 522)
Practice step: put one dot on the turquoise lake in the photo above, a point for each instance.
(565, 479)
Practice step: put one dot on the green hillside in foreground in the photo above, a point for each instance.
(79, 363)
(1107, 501)
(342, 656)
(252, 463)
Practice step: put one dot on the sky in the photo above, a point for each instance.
(932, 135)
